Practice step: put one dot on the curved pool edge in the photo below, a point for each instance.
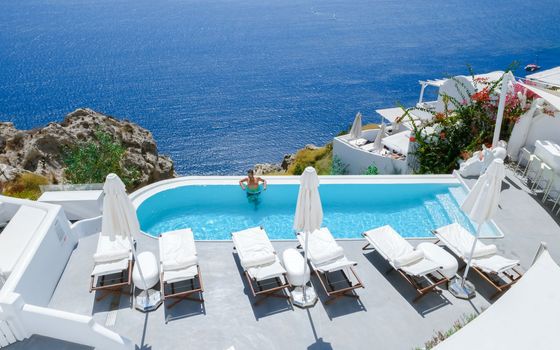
(140, 195)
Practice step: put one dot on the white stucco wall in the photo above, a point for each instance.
(359, 160)
(544, 127)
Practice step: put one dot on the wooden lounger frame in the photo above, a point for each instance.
(112, 288)
(335, 294)
(274, 292)
(183, 295)
(437, 278)
(513, 276)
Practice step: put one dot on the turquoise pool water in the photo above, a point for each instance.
(214, 211)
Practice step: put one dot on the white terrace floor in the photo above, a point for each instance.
(384, 318)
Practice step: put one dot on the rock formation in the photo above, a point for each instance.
(41, 150)
(273, 168)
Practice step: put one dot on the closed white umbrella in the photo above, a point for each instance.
(377, 145)
(480, 205)
(521, 130)
(356, 130)
(119, 215)
(309, 211)
(507, 83)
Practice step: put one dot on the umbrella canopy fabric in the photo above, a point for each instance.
(482, 201)
(552, 99)
(309, 212)
(529, 310)
(521, 130)
(356, 130)
(119, 216)
(377, 145)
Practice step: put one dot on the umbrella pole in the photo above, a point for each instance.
(305, 267)
(471, 255)
(134, 254)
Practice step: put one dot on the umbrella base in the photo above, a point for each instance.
(310, 297)
(148, 300)
(460, 290)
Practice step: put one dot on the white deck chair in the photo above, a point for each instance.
(262, 268)
(180, 273)
(402, 257)
(327, 258)
(112, 269)
(499, 271)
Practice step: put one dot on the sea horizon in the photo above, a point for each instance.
(225, 85)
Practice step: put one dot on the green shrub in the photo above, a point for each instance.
(452, 135)
(372, 170)
(92, 161)
(338, 167)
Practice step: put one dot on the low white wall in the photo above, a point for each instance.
(544, 127)
(72, 328)
(42, 264)
(87, 227)
(358, 160)
(28, 289)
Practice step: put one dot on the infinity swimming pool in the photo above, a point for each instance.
(214, 211)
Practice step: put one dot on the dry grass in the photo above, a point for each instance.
(25, 186)
(320, 158)
(370, 127)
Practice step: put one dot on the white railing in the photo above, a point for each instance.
(7, 336)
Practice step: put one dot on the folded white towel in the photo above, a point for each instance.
(255, 258)
(114, 249)
(178, 250)
(408, 258)
(179, 263)
(103, 257)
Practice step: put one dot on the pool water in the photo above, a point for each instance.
(214, 211)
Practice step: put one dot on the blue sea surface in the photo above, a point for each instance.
(227, 84)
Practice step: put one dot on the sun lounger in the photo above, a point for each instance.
(422, 273)
(499, 271)
(262, 268)
(112, 268)
(335, 272)
(180, 273)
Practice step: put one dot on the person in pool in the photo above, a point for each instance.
(251, 183)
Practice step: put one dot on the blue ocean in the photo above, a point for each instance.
(226, 84)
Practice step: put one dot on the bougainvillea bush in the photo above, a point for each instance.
(457, 132)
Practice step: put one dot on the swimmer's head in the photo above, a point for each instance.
(250, 173)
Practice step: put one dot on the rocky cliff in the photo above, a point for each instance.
(40, 150)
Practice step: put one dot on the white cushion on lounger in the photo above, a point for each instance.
(109, 249)
(265, 272)
(107, 268)
(173, 276)
(408, 258)
(391, 244)
(177, 250)
(322, 247)
(358, 142)
(324, 253)
(398, 251)
(494, 264)
(253, 247)
(462, 240)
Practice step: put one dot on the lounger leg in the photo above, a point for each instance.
(366, 246)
